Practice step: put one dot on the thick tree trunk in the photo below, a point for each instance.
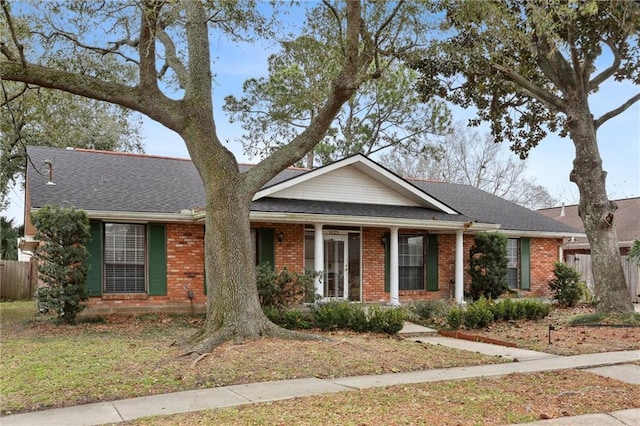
(234, 311)
(598, 215)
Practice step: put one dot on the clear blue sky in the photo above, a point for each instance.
(549, 163)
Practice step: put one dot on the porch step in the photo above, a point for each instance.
(410, 330)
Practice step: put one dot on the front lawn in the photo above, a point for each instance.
(44, 365)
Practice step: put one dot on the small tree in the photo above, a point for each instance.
(63, 233)
(567, 288)
(634, 253)
(488, 265)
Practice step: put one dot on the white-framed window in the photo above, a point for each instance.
(411, 263)
(513, 259)
(125, 254)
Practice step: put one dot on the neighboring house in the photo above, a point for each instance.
(577, 250)
(627, 225)
(378, 238)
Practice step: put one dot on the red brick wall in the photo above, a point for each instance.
(373, 265)
(185, 270)
(544, 253)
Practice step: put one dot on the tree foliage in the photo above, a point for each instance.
(529, 68)
(464, 156)
(9, 235)
(488, 265)
(634, 253)
(63, 233)
(385, 112)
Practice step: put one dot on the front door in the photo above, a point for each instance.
(336, 266)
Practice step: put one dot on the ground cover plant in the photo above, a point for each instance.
(118, 356)
(516, 398)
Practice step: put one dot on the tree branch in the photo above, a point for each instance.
(605, 74)
(603, 118)
(156, 106)
(343, 87)
(539, 93)
(147, 50)
(172, 58)
(5, 50)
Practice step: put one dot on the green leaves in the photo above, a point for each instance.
(61, 256)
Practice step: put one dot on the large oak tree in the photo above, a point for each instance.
(529, 67)
(170, 45)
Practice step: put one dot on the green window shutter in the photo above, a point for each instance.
(432, 262)
(157, 259)
(387, 262)
(94, 262)
(525, 264)
(267, 246)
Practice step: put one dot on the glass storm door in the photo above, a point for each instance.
(336, 265)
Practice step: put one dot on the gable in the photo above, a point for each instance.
(346, 184)
(354, 180)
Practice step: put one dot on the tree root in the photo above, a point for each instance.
(200, 358)
(203, 343)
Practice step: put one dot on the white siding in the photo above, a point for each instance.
(346, 184)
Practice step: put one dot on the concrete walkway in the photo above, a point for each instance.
(611, 364)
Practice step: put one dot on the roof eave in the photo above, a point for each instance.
(142, 217)
(386, 222)
(542, 234)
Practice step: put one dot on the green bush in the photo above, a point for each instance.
(478, 314)
(61, 260)
(455, 317)
(488, 265)
(566, 287)
(284, 289)
(509, 310)
(385, 320)
(534, 310)
(292, 319)
(429, 309)
(358, 318)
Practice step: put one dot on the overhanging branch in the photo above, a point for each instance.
(536, 91)
(622, 108)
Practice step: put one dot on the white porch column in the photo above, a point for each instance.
(394, 287)
(318, 260)
(459, 274)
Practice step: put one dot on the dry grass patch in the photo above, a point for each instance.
(46, 366)
(612, 334)
(516, 398)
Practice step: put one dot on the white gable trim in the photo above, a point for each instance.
(372, 170)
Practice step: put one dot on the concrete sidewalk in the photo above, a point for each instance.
(612, 364)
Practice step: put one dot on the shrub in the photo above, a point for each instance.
(566, 287)
(291, 319)
(332, 315)
(429, 309)
(61, 257)
(508, 309)
(455, 316)
(355, 317)
(488, 265)
(478, 314)
(535, 310)
(284, 289)
(385, 320)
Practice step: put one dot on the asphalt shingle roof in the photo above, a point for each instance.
(107, 181)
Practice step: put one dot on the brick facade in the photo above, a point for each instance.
(185, 267)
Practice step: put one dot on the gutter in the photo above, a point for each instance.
(140, 217)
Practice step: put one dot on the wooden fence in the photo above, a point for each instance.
(582, 263)
(18, 280)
